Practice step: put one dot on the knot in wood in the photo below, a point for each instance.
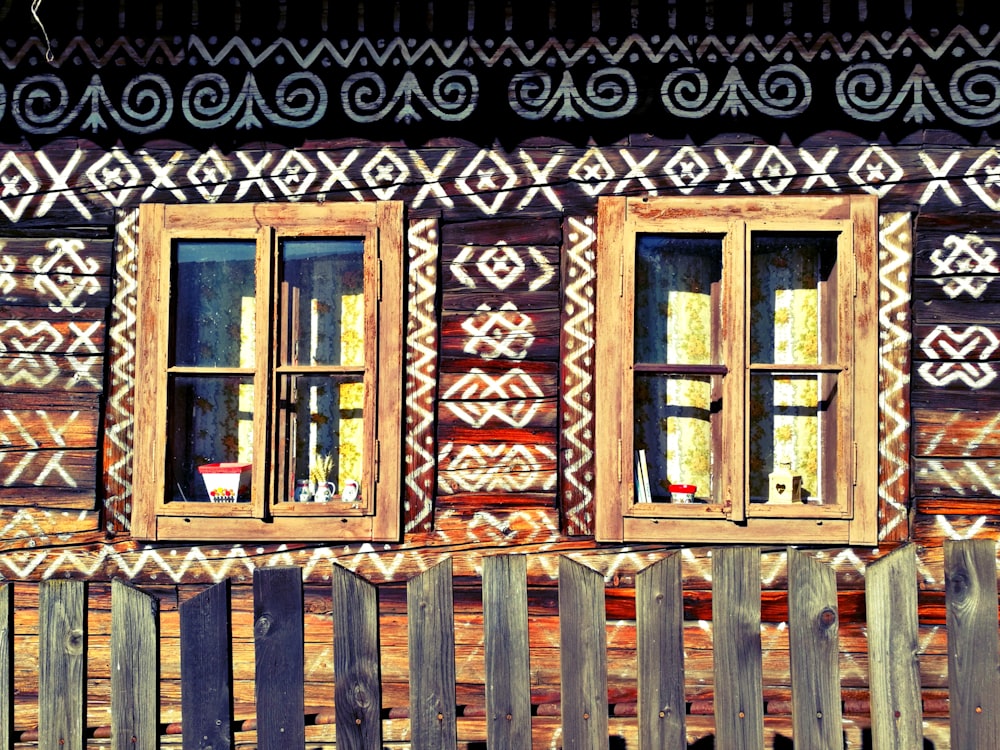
(74, 642)
(263, 625)
(827, 617)
(958, 583)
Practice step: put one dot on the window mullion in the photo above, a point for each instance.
(734, 454)
(263, 336)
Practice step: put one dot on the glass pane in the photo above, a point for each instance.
(210, 421)
(213, 303)
(677, 281)
(323, 437)
(677, 431)
(793, 431)
(793, 311)
(324, 300)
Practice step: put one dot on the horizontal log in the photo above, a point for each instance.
(956, 434)
(54, 498)
(957, 506)
(925, 396)
(486, 416)
(930, 531)
(501, 334)
(494, 502)
(48, 336)
(512, 230)
(70, 469)
(59, 255)
(527, 301)
(956, 343)
(504, 381)
(62, 292)
(27, 372)
(495, 441)
(956, 312)
(966, 478)
(54, 427)
(457, 367)
(84, 318)
(977, 289)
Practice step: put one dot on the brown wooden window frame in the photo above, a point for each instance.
(852, 517)
(377, 516)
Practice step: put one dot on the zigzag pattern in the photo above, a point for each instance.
(492, 53)
(895, 269)
(578, 378)
(421, 375)
(118, 418)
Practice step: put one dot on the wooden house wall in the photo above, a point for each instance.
(499, 340)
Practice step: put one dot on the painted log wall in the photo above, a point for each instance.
(498, 441)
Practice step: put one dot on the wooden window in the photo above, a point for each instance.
(269, 371)
(737, 369)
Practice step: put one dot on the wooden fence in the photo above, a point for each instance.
(206, 665)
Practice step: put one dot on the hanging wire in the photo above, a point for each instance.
(35, 5)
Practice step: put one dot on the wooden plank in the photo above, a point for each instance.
(501, 333)
(577, 365)
(471, 301)
(6, 666)
(510, 380)
(973, 644)
(521, 413)
(508, 676)
(814, 650)
(895, 354)
(279, 658)
(736, 641)
(422, 369)
(206, 677)
(356, 661)
(894, 677)
(583, 656)
(431, 633)
(513, 269)
(62, 662)
(135, 704)
(660, 649)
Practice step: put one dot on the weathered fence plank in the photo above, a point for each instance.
(505, 626)
(813, 622)
(206, 676)
(6, 666)
(660, 649)
(739, 692)
(62, 663)
(583, 656)
(430, 613)
(973, 644)
(358, 695)
(893, 671)
(135, 684)
(279, 650)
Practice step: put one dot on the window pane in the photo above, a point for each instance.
(793, 311)
(323, 437)
(213, 304)
(677, 426)
(677, 281)
(210, 421)
(793, 429)
(324, 301)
